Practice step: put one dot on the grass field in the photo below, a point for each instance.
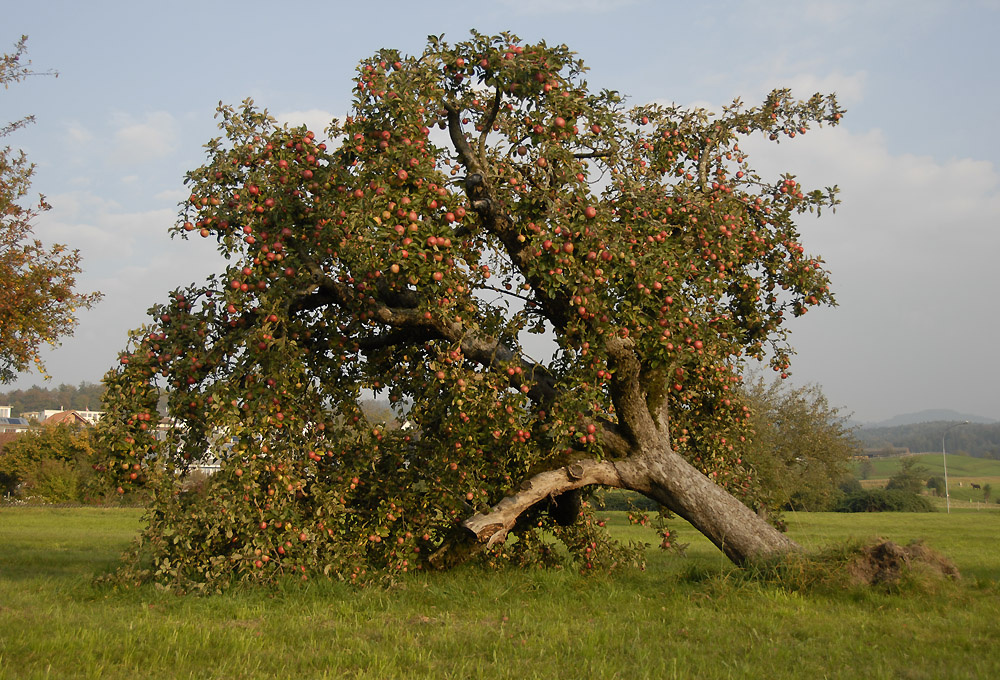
(683, 617)
(958, 466)
(963, 472)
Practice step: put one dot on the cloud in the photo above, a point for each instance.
(150, 139)
(131, 259)
(172, 195)
(825, 12)
(104, 233)
(78, 134)
(911, 253)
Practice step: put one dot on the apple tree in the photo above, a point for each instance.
(37, 297)
(556, 293)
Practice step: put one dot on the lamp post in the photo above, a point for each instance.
(944, 457)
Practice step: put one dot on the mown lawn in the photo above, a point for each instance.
(682, 617)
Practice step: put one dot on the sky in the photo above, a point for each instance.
(912, 249)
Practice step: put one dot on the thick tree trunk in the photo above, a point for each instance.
(659, 473)
(664, 476)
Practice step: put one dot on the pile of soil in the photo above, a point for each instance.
(885, 562)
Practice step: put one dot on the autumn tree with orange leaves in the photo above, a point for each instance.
(38, 301)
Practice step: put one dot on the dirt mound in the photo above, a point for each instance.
(885, 562)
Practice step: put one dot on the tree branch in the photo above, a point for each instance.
(498, 222)
(485, 530)
(467, 155)
(627, 392)
(494, 110)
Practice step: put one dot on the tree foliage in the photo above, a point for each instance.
(910, 477)
(53, 463)
(418, 265)
(883, 500)
(38, 301)
(865, 467)
(83, 397)
(801, 448)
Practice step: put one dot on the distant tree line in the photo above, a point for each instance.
(976, 439)
(85, 396)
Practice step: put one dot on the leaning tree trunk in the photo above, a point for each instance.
(735, 529)
(658, 473)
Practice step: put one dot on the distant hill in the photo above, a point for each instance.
(931, 416)
(981, 440)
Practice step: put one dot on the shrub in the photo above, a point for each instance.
(53, 464)
(936, 485)
(883, 500)
(56, 481)
(850, 485)
(910, 477)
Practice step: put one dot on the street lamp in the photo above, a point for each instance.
(944, 457)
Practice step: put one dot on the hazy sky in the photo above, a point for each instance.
(912, 249)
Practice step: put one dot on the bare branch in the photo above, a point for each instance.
(488, 123)
(465, 152)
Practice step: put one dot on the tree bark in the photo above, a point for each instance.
(666, 477)
(658, 473)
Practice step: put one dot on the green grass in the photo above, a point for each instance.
(958, 466)
(963, 471)
(469, 623)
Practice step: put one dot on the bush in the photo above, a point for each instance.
(910, 477)
(936, 485)
(56, 481)
(850, 485)
(883, 500)
(801, 446)
(811, 500)
(54, 464)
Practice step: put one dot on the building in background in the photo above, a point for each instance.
(46, 416)
(8, 424)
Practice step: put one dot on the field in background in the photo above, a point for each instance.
(963, 472)
(682, 617)
(958, 466)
